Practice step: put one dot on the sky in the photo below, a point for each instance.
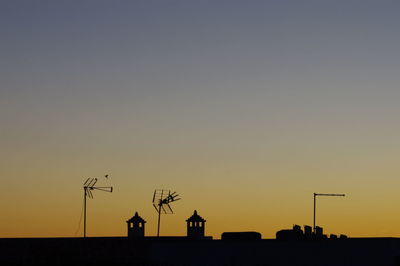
(245, 108)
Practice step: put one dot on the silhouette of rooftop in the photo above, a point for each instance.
(158, 251)
(195, 218)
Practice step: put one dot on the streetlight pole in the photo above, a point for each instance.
(315, 204)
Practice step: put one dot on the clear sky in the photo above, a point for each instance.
(245, 108)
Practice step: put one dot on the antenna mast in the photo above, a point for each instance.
(162, 198)
(88, 186)
(315, 204)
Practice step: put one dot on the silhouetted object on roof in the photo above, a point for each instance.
(308, 232)
(241, 235)
(195, 226)
(315, 204)
(136, 226)
(297, 234)
(88, 186)
(161, 200)
(319, 233)
(290, 234)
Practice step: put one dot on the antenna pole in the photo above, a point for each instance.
(84, 210)
(315, 195)
(87, 187)
(159, 218)
(315, 204)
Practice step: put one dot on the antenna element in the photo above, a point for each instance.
(161, 200)
(88, 186)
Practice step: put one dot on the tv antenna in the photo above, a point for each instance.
(315, 203)
(161, 200)
(88, 186)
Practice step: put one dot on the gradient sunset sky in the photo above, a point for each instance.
(245, 108)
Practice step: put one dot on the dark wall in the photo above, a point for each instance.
(181, 251)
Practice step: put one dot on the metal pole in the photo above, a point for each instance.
(314, 212)
(84, 210)
(315, 203)
(159, 217)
